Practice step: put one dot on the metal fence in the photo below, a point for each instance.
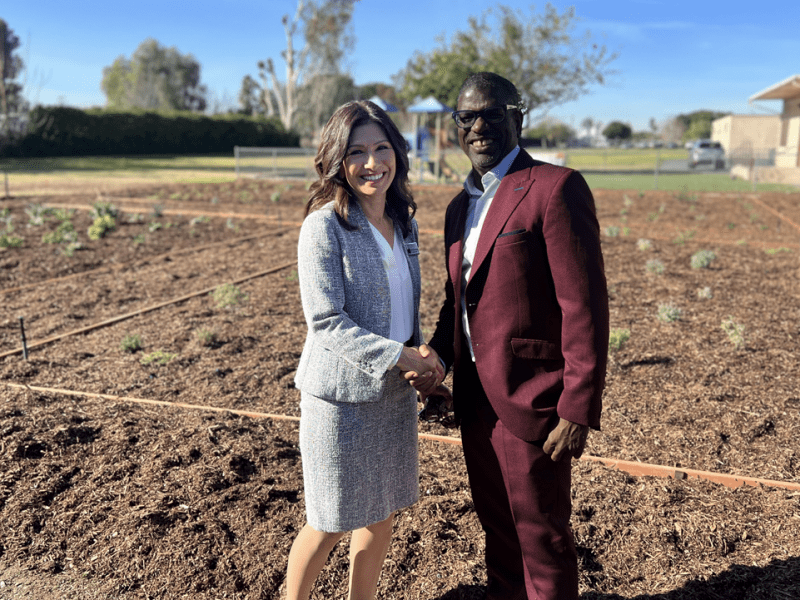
(280, 163)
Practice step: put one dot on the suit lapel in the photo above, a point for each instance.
(512, 190)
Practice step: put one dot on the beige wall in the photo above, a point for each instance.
(739, 133)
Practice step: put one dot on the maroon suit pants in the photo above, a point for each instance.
(522, 499)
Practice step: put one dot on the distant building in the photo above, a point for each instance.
(770, 143)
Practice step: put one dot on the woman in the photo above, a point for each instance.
(360, 285)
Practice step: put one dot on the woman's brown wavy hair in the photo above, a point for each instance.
(333, 187)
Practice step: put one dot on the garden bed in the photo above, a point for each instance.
(107, 498)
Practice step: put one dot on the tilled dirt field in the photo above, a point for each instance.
(105, 497)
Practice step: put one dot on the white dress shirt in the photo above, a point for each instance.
(479, 203)
(400, 287)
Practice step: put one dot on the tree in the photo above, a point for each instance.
(320, 97)
(155, 78)
(697, 124)
(325, 29)
(11, 100)
(539, 53)
(617, 131)
(552, 130)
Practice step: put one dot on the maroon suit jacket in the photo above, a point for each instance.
(536, 300)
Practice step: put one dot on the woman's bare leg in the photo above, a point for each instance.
(368, 548)
(309, 552)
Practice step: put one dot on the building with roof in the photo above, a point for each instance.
(769, 142)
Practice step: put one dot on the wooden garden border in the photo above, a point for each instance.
(630, 467)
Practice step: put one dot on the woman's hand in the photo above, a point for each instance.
(427, 379)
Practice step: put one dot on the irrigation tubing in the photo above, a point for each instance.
(146, 260)
(630, 467)
(141, 311)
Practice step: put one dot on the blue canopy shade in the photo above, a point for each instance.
(383, 104)
(429, 105)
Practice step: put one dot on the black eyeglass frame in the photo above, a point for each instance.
(482, 114)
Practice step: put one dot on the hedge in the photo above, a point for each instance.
(62, 131)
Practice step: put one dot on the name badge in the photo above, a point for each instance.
(412, 248)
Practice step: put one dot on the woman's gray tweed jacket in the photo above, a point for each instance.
(347, 306)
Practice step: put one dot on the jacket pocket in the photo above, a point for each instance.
(535, 349)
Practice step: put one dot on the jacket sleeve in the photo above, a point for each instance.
(444, 335)
(321, 272)
(572, 237)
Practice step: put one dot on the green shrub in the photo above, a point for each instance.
(643, 245)
(101, 209)
(734, 331)
(612, 231)
(131, 343)
(64, 233)
(705, 293)
(101, 226)
(36, 214)
(654, 266)
(206, 337)
(159, 357)
(617, 338)
(702, 259)
(65, 131)
(227, 295)
(668, 313)
(10, 241)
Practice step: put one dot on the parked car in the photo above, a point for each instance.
(707, 152)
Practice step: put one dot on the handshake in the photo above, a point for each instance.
(422, 368)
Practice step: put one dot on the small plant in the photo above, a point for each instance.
(626, 231)
(214, 200)
(643, 245)
(685, 196)
(64, 233)
(612, 231)
(101, 225)
(231, 225)
(275, 197)
(199, 219)
(702, 259)
(154, 226)
(227, 295)
(668, 313)
(292, 276)
(36, 214)
(64, 214)
(654, 266)
(617, 338)
(159, 357)
(705, 293)
(731, 225)
(7, 240)
(626, 202)
(71, 247)
(139, 239)
(684, 235)
(734, 331)
(774, 251)
(245, 197)
(131, 343)
(102, 209)
(206, 337)
(6, 216)
(157, 211)
(135, 218)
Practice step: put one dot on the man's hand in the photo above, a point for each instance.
(426, 382)
(566, 441)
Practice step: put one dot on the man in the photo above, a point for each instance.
(525, 328)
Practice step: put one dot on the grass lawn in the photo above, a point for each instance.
(64, 173)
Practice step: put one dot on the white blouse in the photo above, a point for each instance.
(400, 286)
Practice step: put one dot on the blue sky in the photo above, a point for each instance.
(675, 56)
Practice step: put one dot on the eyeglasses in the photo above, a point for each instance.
(494, 114)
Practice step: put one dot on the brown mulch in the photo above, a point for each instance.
(110, 499)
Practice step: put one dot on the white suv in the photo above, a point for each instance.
(707, 152)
